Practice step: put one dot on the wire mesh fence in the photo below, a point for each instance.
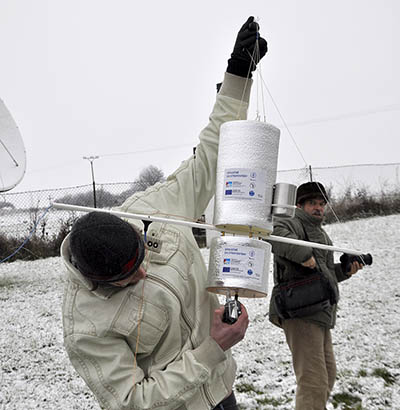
(21, 212)
(375, 178)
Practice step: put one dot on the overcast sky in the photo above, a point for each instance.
(97, 77)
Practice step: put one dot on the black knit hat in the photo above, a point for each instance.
(105, 248)
(310, 190)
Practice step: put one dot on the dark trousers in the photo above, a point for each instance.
(227, 404)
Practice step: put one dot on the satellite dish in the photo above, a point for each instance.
(12, 151)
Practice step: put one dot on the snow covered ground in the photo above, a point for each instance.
(36, 374)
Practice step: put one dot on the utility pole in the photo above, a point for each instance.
(91, 159)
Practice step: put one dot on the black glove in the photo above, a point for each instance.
(242, 61)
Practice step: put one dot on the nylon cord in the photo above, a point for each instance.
(283, 120)
(297, 147)
(138, 332)
(260, 77)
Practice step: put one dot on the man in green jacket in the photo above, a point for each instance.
(139, 326)
(308, 337)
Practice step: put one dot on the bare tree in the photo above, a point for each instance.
(148, 177)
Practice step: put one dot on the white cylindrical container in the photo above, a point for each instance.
(246, 174)
(239, 265)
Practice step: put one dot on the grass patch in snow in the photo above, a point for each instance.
(385, 375)
(247, 388)
(362, 373)
(347, 401)
(272, 402)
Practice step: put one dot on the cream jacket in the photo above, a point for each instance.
(165, 318)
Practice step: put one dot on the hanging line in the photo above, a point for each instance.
(259, 86)
(296, 145)
(139, 323)
(260, 77)
(253, 57)
(244, 91)
(283, 119)
(29, 235)
(292, 137)
(256, 59)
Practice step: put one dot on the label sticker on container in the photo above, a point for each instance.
(243, 262)
(244, 183)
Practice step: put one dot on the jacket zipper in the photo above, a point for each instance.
(167, 285)
(187, 321)
(208, 396)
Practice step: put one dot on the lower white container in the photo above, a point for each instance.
(239, 265)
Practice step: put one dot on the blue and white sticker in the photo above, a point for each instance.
(244, 184)
(244, 262)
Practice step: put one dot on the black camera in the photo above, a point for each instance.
(346, 260)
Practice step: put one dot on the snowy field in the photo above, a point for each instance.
(36, 374)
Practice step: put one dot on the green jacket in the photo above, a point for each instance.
(288, 260)
(177, 365)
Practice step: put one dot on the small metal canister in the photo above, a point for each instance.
(284, 200)
(239, 265)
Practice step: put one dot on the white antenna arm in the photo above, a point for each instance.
(142, 217)
(273, 238)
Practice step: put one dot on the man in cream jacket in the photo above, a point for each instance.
(139, 326)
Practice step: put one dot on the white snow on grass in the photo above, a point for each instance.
(36, 373)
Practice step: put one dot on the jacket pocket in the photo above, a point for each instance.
(168, 240)
(153, 321)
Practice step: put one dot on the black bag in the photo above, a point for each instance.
(304, 297)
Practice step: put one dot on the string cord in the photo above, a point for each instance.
(256, 47)
(256, 60)
(259, 75)
(263, 104)
(138, 333)
(283, 119)
(297, 147)
(142, 293)
(29, 235)
(243, 93)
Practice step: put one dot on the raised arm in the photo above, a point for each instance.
(189, 189)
